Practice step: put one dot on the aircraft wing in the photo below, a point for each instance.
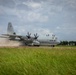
(12, 35)
(18, 36)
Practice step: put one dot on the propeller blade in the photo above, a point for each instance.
(28, 35)
(36, 36)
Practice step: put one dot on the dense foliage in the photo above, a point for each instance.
(70, 43)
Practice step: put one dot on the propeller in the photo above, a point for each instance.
(28, 35)
(36, 36)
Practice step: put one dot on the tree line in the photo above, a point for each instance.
(69, 43)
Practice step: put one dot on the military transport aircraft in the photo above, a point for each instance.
(28, 39)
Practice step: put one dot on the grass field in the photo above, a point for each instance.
(38, 61)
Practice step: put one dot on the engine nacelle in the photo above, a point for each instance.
(36, 43)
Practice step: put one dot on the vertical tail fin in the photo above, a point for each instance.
(10, 29)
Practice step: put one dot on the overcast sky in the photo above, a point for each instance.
(42, 16)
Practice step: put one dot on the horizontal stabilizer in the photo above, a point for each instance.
(3, 36)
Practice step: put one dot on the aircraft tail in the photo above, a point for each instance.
(10, 29)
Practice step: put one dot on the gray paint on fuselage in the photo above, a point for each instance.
(47, 42)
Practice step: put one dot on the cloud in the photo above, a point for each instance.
(32, 16)
(22, 7)
(72, 3)
(34, 5)
(5, 42)
(1, 11)
(43, 15)
(7, 3)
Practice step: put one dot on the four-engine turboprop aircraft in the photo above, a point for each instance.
(28, 39)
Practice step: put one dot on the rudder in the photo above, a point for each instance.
(10, 29)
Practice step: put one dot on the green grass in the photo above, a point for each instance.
(38, 61)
